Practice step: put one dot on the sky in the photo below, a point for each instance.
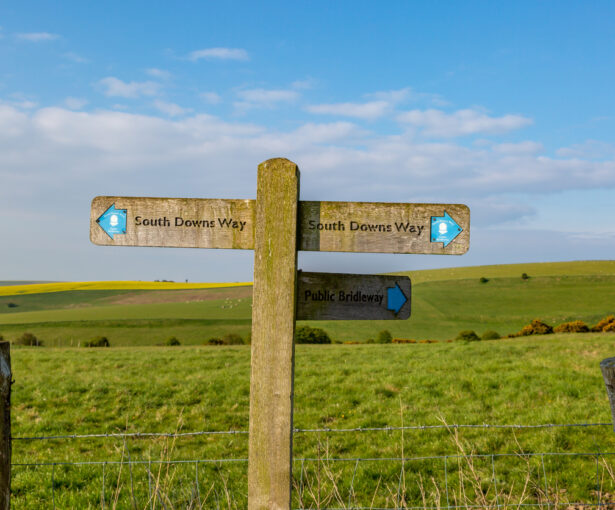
(507, 107)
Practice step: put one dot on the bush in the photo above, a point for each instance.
(28, 339)
(384, 337)
(536, 327)
(214, 341)
(468, 336)
(609, 319)
(12, 305)
(370, 341)
(609, 328)
(483, 279)
(524, 276)
(232, 339)
(172, 341)
(404, 341)
(99, 341)
(309, 335)
(571, 327)
(490, 335)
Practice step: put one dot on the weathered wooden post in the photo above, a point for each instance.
(273, 329)
(608, 373)
(5, 424)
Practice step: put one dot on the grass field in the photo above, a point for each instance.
(554, 379)
(139, 386)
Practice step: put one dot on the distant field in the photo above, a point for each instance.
(443, 303)
(20, 288)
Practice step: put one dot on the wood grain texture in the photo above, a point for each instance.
(338, 296)
(378, 227)
(369, 227)
(5, 423)
(178, 222)
(607, 366)
(273, 329)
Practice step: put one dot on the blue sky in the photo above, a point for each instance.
(507, 107)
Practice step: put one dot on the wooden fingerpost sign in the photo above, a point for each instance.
(276, 225)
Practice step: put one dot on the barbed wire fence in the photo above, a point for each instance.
(458, 479)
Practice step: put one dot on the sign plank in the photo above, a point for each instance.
(336, 296)
(380, 227)
(370, 227)
(173, 222)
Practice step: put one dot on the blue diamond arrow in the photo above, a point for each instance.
(113, 221)
(444, 229)
(395, 298)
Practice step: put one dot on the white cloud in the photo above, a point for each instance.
(114, 87)
(171, 109)
(74, 57)
(37, 36)
(591, 149)
(263, 98)
(218, 54)
(210, 97)
(370, 110)
(439, 124)
(75, 103)
(158, 73)
(382, 103)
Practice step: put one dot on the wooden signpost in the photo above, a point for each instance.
(276, 225)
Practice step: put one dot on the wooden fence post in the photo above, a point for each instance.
(5, 425)
(608, 373)
(273, 328)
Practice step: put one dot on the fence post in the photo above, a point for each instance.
(5, 425)
(273, 328)
(608, 373)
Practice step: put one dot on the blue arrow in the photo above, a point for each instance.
(113, 221)
(395, 298)
(444, 229)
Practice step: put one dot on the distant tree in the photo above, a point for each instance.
(384, 337)
(99, 341)
(232, 339)
(490, 335)
(468, 335)
(524, 276)
(12, 305)
(309, 335)
(28, 339)
(483, 279)
(172, 341)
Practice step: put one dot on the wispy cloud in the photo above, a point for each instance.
(114, 87)
(78, 59)
(158, 73)
(75, 103)
(37, 36)
(210, 97)
(218, 54)
(381, 104)
(369, 110)
(591, 149)
(171, 109)
(439, 124)
(264, 98)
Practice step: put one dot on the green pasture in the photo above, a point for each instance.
(539, 380)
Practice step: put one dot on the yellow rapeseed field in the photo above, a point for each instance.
(43, 288)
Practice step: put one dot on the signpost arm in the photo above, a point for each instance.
(273, 328)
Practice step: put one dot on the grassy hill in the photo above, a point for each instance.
(444, 302)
